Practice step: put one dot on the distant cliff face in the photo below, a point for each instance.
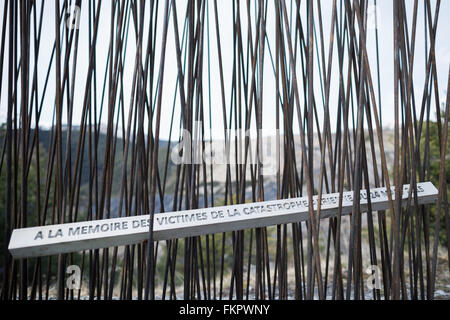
(270, 180)
(168, 175)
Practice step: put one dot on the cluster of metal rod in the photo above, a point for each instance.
(401, 241)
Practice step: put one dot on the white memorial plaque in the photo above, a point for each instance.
(75, 237)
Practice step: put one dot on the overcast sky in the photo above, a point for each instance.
(385, 25)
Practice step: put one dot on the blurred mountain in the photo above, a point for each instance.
(219, 176)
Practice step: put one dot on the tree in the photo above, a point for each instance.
(433, 148)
